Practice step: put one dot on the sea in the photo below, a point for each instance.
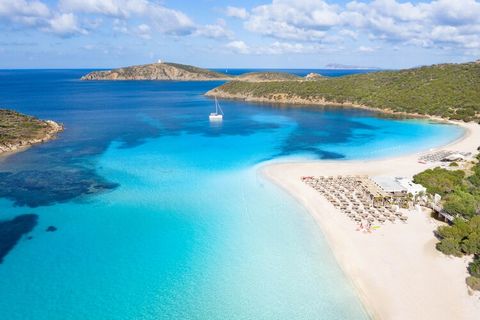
(142, 209)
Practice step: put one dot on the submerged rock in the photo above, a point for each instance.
(12, 230)
(35, 188)
(51, 229)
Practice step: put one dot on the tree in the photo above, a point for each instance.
(439, 180)
(461, 203)
(463, 237)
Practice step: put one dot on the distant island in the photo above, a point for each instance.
(18, 131)
(449, 91)
(183, 72)
(158, 71)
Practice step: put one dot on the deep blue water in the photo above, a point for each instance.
(161, 215)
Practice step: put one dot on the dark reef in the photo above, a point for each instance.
(35, 188)
(11, 231)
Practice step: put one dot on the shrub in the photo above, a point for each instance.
(473, 283)
(474, 267)
(439, 180)
(463, 237)
(461, 203)
(450, 246)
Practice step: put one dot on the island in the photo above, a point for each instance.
(19, 131)
(448, 91)
(158, 71)
(168, 71)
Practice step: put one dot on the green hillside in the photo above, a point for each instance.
(268, 76)
(15, 127)
(446, 90)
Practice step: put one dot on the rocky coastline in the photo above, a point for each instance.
(290, 99)
(49, 132)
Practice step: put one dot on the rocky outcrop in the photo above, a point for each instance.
(313, 76)
(158, 71)
(49, 131)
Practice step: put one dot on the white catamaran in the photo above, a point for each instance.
(216, 116)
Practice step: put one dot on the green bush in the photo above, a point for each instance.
(463, 237)
(461, 203)
(473, 283)
(474, 267)
(450, 246)
(439, 180)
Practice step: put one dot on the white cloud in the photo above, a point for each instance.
(64, 24)
(348, 33)
(115, 8)
(366, 49)
(119, 26)
(294, 20)
(165, 20)
(275, 48)
(214, 31)
(143, 31)
(22, 12)
(36, 14)
(22, 8)
(238, 46)
(438, 23)
(236, 12)
(295, 25)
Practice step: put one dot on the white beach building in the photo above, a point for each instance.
(398, 185)
(389, 185)
(413, 188)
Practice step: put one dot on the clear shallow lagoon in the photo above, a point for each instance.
(187, 228)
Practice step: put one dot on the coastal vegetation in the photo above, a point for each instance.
(447, 90)
(460, 191)
(19, 130)
(267, 76)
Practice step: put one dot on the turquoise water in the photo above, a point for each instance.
(185, 227)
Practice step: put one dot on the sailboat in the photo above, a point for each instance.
(216, 116)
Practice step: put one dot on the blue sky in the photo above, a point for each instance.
(236, 34)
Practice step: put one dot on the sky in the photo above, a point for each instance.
(237, 34)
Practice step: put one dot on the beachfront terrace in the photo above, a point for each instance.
(360, 198)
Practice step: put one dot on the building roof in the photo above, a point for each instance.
(411, 187)
(389, 184)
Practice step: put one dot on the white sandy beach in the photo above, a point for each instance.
(396, 270)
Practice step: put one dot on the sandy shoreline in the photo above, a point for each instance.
(396, 270)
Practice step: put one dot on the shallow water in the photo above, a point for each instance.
(182, 226)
